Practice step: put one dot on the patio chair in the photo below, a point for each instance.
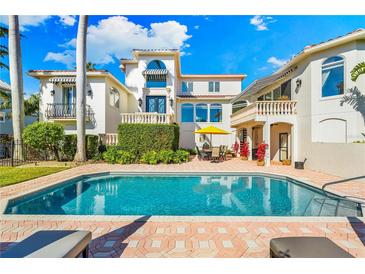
(201, 154)
(215, 154)
(223, 152)
(52, 244)
(306, 247)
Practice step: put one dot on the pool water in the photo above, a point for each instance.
(182, 195)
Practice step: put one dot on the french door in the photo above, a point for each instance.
(283, 146)
(156, 104)
(69, 100)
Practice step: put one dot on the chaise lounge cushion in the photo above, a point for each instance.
(306, 247)
(51, 244)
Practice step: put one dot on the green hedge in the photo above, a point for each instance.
(142, 138)
(69, 146)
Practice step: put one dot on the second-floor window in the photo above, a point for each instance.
(186, 87)
(333, 76)
(155, 74)
(214, 86)
(282, 92)
(114, 98)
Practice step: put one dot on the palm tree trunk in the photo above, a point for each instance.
(81, 88)
(16, 81)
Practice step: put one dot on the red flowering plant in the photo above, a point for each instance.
(244, 150)
(236, 147)
(261, 152)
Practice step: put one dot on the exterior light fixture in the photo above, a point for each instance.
(140, 102)
(171, 102)
(90, 93)
(298, 82)
(53, 92)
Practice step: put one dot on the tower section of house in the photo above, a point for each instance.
(106, 99)
(300, 111)
(165, 95)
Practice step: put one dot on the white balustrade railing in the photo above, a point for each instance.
(146, 118)
(276, 107)
(109, 139)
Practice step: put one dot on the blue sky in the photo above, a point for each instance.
(253, 45)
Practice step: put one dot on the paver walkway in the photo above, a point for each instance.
(145, 238)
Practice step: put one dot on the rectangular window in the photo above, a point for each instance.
(2, 117)
(216, 113)
(211, 86)
(186, 87)
(114, 98)
(217, 86)
(268, 96)
(277, 93)
(187, 113)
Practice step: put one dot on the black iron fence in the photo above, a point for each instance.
(15, 153)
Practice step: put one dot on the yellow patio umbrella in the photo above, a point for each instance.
(211, 130)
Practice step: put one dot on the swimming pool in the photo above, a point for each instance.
(183, 195)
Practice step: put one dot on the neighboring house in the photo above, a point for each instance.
(193, 101)
(6, 125)
(297, 111)
(106, 99)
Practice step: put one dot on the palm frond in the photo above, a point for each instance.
(4, 31)
(2, 65)
(5, 96)
(357, 71)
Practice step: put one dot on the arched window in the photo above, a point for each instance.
(216, 113)
(333, 76)
(187, 113)
(236, 106)
(201, 113)
(155, 74)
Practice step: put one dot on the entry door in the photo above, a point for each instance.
(283, 146)
(156, 104)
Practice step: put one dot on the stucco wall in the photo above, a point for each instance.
(344, 160)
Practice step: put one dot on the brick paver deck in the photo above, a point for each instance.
(197, 238)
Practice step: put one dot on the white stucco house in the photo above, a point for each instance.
(297, 111)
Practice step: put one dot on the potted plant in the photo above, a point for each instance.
(261, 152)
(244, 151)
(235, 149)
(286, 162)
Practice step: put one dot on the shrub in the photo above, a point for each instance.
(166, 156)
(125, 157)
(192, 151)
(45, 137)
(150, 157)
(142, 138)
(261, 152)
(181, 156)
(69, 147)
(111, 154)
(244, 150)
(92, 144)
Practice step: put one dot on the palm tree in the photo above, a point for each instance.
(81, 88)
(3, 49)
(16, 81)
(90, 66)
(31, 105)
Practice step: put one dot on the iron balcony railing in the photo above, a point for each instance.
(66, 111)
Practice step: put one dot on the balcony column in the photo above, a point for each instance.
(249, 141)
(266, 139)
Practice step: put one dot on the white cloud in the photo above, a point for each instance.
(275, 62)
(67, 57)
(68, 20)
(27, 21)
(196, 27)
(116, 36)
(262, 22)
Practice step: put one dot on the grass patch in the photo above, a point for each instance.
(14, 175)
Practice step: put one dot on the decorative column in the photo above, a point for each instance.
(266, 139)
(249, 141)
(293, 144)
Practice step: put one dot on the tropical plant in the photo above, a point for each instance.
(181, 156)
(16, 80)
(111, 154)
(244, 150)
(81, 88)
(357, 71)
(166, 156)
(31, 105)
(45, 137)
(3, 49)
(150, 157)
(261, 152)
(90, 66)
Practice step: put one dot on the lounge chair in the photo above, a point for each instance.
(215, 154)
(201, 154)
(306, 247)
(52, 244)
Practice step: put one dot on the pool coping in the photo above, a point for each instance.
(4, 202)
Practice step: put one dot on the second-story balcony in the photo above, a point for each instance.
(59, 111)
(260, 110)
(146, 118)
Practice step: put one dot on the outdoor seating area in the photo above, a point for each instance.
(213, 154)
